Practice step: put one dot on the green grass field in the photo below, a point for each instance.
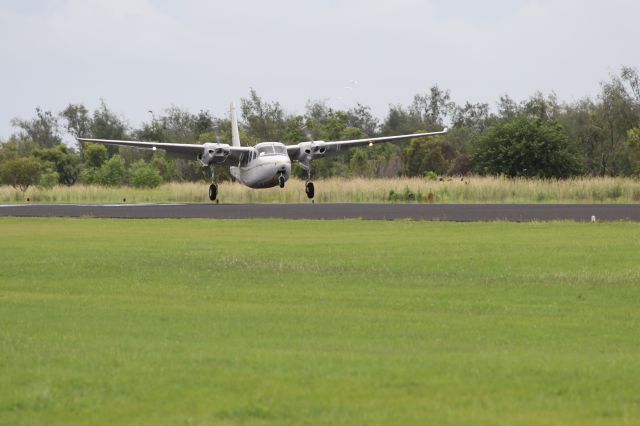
(303, 322)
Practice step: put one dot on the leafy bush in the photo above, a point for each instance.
(94, 154)
(48, 179)
(90, 176)
(408, 195)
(526, 147)
(20, 172)
(431, 175)
(113, 172)
(145, 177)
(429, 154)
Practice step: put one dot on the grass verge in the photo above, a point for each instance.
(337, 190)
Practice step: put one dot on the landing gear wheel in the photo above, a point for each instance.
(281, 181)
(309, 189)
(213, 192)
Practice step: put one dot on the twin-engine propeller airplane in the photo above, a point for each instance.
(265, 165)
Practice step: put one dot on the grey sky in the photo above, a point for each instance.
(142, 55)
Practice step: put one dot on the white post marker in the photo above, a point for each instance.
(593, 219)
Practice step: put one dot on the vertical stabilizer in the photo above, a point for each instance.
(235, 135)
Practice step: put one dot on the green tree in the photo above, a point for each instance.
(90, 176)
(43, 130)
(360, 117)
(20, 172)
(65, 162)
(631, 78)
(113, 172)
(475, 117)
(105, 124)
(432, 109)
(263, 120)
(508, 109)
(203, 122)
(359, 165)
(399, 121)
(144, 175)
(77, 120)
(294, 130)
(633, 144)
(431, 154)
(16, 148)
(94, 154)
(526, 147)
(164, 167)
(48, 178)
(546, 108)
(616, 115)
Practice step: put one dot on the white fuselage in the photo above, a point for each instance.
(263, 166)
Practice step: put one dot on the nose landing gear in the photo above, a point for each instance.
(281, 181)
(213, 188)
(213, 192)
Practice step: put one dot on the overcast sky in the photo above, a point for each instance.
(141, 55)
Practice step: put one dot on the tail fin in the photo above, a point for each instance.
(235, 135)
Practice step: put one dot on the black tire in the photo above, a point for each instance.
(309, 189)
(281, 181)
(213, 192)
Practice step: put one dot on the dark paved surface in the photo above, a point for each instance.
(453, 212)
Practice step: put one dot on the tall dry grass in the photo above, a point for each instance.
(338, 190)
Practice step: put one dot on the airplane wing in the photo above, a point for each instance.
(313, 149)
(186, 151)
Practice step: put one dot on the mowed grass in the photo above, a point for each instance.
(310, 322)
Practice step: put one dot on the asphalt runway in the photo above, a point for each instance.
(443, 212)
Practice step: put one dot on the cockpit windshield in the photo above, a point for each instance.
(271, 149)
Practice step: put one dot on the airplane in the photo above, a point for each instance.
(264, 165)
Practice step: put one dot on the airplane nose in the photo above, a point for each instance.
(282, 167)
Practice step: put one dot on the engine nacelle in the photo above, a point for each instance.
(214, 153)
(311, 151)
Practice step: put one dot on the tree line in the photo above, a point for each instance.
(539, 137)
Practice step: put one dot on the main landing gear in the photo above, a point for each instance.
(213, 188)
(308, 187)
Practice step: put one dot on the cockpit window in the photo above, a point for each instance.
(266, 150)
(271, 150)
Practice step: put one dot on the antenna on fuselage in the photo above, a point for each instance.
(235, 134)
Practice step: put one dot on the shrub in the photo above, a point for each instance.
(408, 195)
(615, 192)
(20, 172)
(145, 177)
(48, 179)
(526, 147)
(431, 175)
(90, 176)
(94, 154)
(113, 172)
